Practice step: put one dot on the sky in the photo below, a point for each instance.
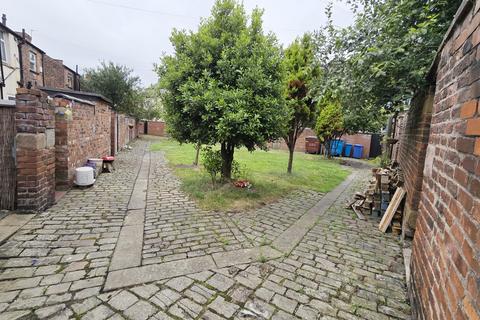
(136, 33)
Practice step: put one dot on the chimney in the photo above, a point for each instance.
(26, 36)
(4, 19)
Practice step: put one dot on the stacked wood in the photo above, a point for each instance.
(383, 197)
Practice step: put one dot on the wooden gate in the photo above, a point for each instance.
(7, 156)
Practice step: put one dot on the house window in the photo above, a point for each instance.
(3, 47)
(69, 81)
(33, 61)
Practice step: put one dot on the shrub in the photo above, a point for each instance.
(212, 162)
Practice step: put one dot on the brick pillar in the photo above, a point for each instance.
(62, 119)
(35, 151)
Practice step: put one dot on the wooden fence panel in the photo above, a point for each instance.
(7, 159)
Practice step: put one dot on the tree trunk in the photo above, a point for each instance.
(227, 151)
(197, 148)
(291, 141)
(327, 145)
(290, 158)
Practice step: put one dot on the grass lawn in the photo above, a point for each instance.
(265, 170)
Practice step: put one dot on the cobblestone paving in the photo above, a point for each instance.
(263, 225)
(55, 266)
(175, 229)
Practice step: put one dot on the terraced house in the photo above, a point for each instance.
(23, 64)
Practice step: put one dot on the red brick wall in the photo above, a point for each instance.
(446, 246)
(140, 127)
(53, 72)
(113, 135)
(134, 129)
(299, 145)
(122, 131)
(83, 131)
(363, 139)
(156, 128)
(127, 131)
(412, 151)
(36, 76)
(56, 74)
(35, 151)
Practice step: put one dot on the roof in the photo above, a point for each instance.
(2, 26)
(462, 11)
(32, 45)
(66, 96)
(18, 36)
(71, 70)
(77, 94)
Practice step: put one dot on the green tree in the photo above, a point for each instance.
(116, 83)
(330, 124)
(152, 103)
(377, 64)
(301, 69)
(223, 84)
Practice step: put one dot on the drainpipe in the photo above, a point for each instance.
(43, 71)
(20, 61)
(2, 76)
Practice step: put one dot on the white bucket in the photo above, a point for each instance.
(84, 176)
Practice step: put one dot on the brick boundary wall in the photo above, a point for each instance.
(280, 144)
(140, 127)
(83, 131)
(412, 152)
(113, 136)
(156, 128)
(364, 139)
(445, 281)
(360, 138)
(122, 131)
(35, 151)
(127, 131)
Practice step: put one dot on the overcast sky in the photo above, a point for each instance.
(136, 32)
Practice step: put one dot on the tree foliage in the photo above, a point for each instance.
(377, 64)
(116, 83)
(152, 104)
(301, 69)
(330, 123)
(223, 84)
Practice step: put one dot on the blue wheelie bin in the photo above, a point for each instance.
(348, 150)
(357, 151)
(336, 147)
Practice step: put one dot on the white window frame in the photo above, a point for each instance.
(33, 61)
(3, 46)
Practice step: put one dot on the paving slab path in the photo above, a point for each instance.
(134, 246)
